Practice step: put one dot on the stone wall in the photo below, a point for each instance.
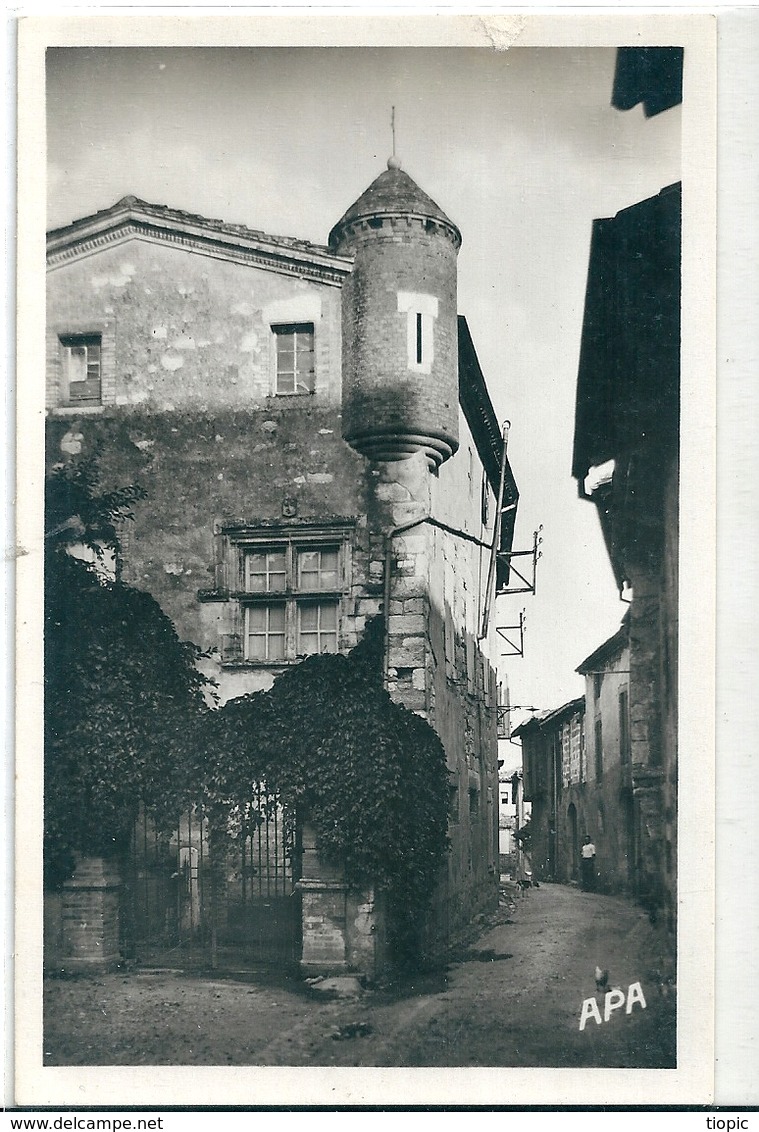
(604, 807)
(668, 680)
(462, 686)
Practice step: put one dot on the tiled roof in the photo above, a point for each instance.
(551, 715)
(390, 194)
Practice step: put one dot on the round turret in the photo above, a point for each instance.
(400, 338)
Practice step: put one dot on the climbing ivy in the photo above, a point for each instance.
(366, 773)
(122, 692)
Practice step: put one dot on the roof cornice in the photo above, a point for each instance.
(131, 219)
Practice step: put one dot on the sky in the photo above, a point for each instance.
(520, 148)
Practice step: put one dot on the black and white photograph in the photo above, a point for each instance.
(369, 467)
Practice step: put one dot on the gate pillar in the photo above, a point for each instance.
(324, 926)
(90, 915)
(342, 929)
(324, 920)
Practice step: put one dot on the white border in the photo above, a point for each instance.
(692, 1082)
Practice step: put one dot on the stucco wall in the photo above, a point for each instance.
(184, 330)
(605, 810)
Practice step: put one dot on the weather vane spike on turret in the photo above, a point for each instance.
(393, 162)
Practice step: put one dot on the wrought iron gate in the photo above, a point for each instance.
(192, 901)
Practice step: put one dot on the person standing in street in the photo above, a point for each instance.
(588, 864)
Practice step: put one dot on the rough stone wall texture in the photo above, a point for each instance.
(366, 940)
(380, 390)
(572, 750)
(669, 683)
(646, 730)
(202, 469)
(90, 917)
(651, 544)
(603, 808)
(324, 944)
(573, 792)
(461, 688)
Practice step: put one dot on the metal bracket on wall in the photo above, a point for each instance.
(513, 637)
(534, 554)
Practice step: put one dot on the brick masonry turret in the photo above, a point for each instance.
(400, 359)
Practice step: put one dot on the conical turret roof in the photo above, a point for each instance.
(393, 193)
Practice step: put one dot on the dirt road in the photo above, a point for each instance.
(513, 998)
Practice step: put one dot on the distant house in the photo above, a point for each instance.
(580, 775)
(554, 777)
(604, 806)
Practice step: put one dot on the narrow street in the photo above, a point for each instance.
(514, 997)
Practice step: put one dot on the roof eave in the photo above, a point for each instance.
(616, 643)
(80, 237)
(480, 415)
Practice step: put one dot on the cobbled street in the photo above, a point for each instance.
(512, 997)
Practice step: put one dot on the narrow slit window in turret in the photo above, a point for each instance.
(421, 312)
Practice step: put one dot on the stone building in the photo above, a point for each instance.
(580, 776)
(626, 462)
(554, 767)
(318, 446)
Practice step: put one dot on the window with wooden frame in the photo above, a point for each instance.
(294, 348)
(81, 363)
(291, 590)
